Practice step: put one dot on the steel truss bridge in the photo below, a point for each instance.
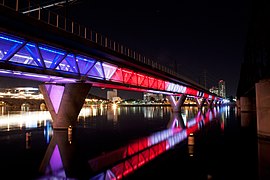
(68, 56)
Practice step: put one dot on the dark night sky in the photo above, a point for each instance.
(199, 36)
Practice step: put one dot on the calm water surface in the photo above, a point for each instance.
(134, 143)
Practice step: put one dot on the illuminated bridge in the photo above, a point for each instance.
(70, 59)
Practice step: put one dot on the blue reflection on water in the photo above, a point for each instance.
(48, 131)
(95, 121)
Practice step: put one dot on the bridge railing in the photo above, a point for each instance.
(41, 13)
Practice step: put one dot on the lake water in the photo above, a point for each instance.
(134, 143)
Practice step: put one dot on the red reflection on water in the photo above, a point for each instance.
(127, 159)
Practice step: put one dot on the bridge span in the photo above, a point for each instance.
(70, 63)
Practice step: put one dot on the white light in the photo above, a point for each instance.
(30, 119)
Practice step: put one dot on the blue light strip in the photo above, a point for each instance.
(52, 50)
(11, 40)
(85, 66)
(31, 45)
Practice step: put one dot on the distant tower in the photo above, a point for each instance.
(214, 90)
(111, 94)
(221, 88)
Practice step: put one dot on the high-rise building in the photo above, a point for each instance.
(111, 94)
(222, 88)
(214, 90)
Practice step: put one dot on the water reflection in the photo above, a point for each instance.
(152, 112)
(28, 136)
(191, 143)
(127, 159)
(176, 120)
(113, 112)
(60, 158)
(58, 161)
(23, 119)
(48, 131)
(264, 158)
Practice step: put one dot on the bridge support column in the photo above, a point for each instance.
(215, 103)
(263, 108)
(176, 105)
(199, 102)
(247, 103)
(246, 118)
(238, 104)
(64, 102)
(209, 102)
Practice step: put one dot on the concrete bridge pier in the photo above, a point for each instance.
(247, 104)
(64, 102)
(176, 104)
(238, 104)
(199, 102)
(214, 103)
(209, 102)
(220, 103)
(263, 108)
